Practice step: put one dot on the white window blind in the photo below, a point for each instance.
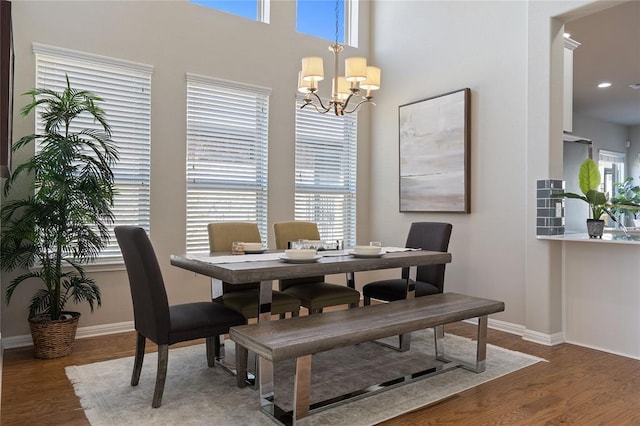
(227, 134)
(125, 88)
(326, 173)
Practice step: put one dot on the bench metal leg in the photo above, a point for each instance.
(265, 385)
(481, 349)
(438, 335)
(302, 388)
(264, 314)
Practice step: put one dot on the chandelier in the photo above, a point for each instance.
(358, 77)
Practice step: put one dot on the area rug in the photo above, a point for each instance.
(197, 395)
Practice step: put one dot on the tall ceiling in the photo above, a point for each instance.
(609, 51)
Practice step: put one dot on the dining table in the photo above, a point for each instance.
(274, 265)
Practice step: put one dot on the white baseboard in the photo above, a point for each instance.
(521, 330)
(83, 332)
(632, 356)
(544, 339)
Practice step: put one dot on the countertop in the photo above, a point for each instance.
(612, 237)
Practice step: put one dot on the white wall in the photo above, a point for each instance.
(510, 55)
(177, 37)
(442, 47)
(605, 135)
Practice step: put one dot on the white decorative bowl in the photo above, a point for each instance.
(368, 250)
(300, 253)
(252, 246)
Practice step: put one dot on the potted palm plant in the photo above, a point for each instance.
(61, 223)
(589, 180)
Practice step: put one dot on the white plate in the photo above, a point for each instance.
(367, 256)
(255, 251)
(292, 260)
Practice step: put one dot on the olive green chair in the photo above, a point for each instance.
(313, 293)
(245, 298)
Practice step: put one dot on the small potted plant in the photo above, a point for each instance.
(61, 222)
(589, 180)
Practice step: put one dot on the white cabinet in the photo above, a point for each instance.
(569, 46)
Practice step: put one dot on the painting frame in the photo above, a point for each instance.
(434, 153)
(6, 87)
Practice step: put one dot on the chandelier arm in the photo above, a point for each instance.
(346, 101)
(366, 101)
(321, 111)
(307, 101)
(323, 108)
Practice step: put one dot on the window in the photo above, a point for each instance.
(325, 173)
(227, 130)
(611, 165)
(318, 18)
(256, 10)
(125, 88)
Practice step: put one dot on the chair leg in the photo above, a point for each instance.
(367, 300)
(137, 363)
(161, 377)
(211, 350)
(216, 346)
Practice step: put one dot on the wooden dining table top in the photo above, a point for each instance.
(264, 270)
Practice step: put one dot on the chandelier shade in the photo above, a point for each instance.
(372, 81)
(355, 69)
(304, 85)
(312, 69)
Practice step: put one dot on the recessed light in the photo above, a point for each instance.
(604, 84)
(567, 35)
(635, 86)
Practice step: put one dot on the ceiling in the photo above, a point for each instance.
(609, 51)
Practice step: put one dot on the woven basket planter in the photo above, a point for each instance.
(53, 339)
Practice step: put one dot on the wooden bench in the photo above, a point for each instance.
(302, 337)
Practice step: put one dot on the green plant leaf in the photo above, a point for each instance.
(596, 197)
(589, 176)
(576, 196)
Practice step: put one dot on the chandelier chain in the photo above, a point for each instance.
(337, 10)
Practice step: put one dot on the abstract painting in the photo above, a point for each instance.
(434, 154)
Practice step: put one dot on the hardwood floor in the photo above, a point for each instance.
(578, 386)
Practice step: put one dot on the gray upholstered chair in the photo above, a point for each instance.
(245, 298)
(432, 236)
(313, 292)
(155, 319)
